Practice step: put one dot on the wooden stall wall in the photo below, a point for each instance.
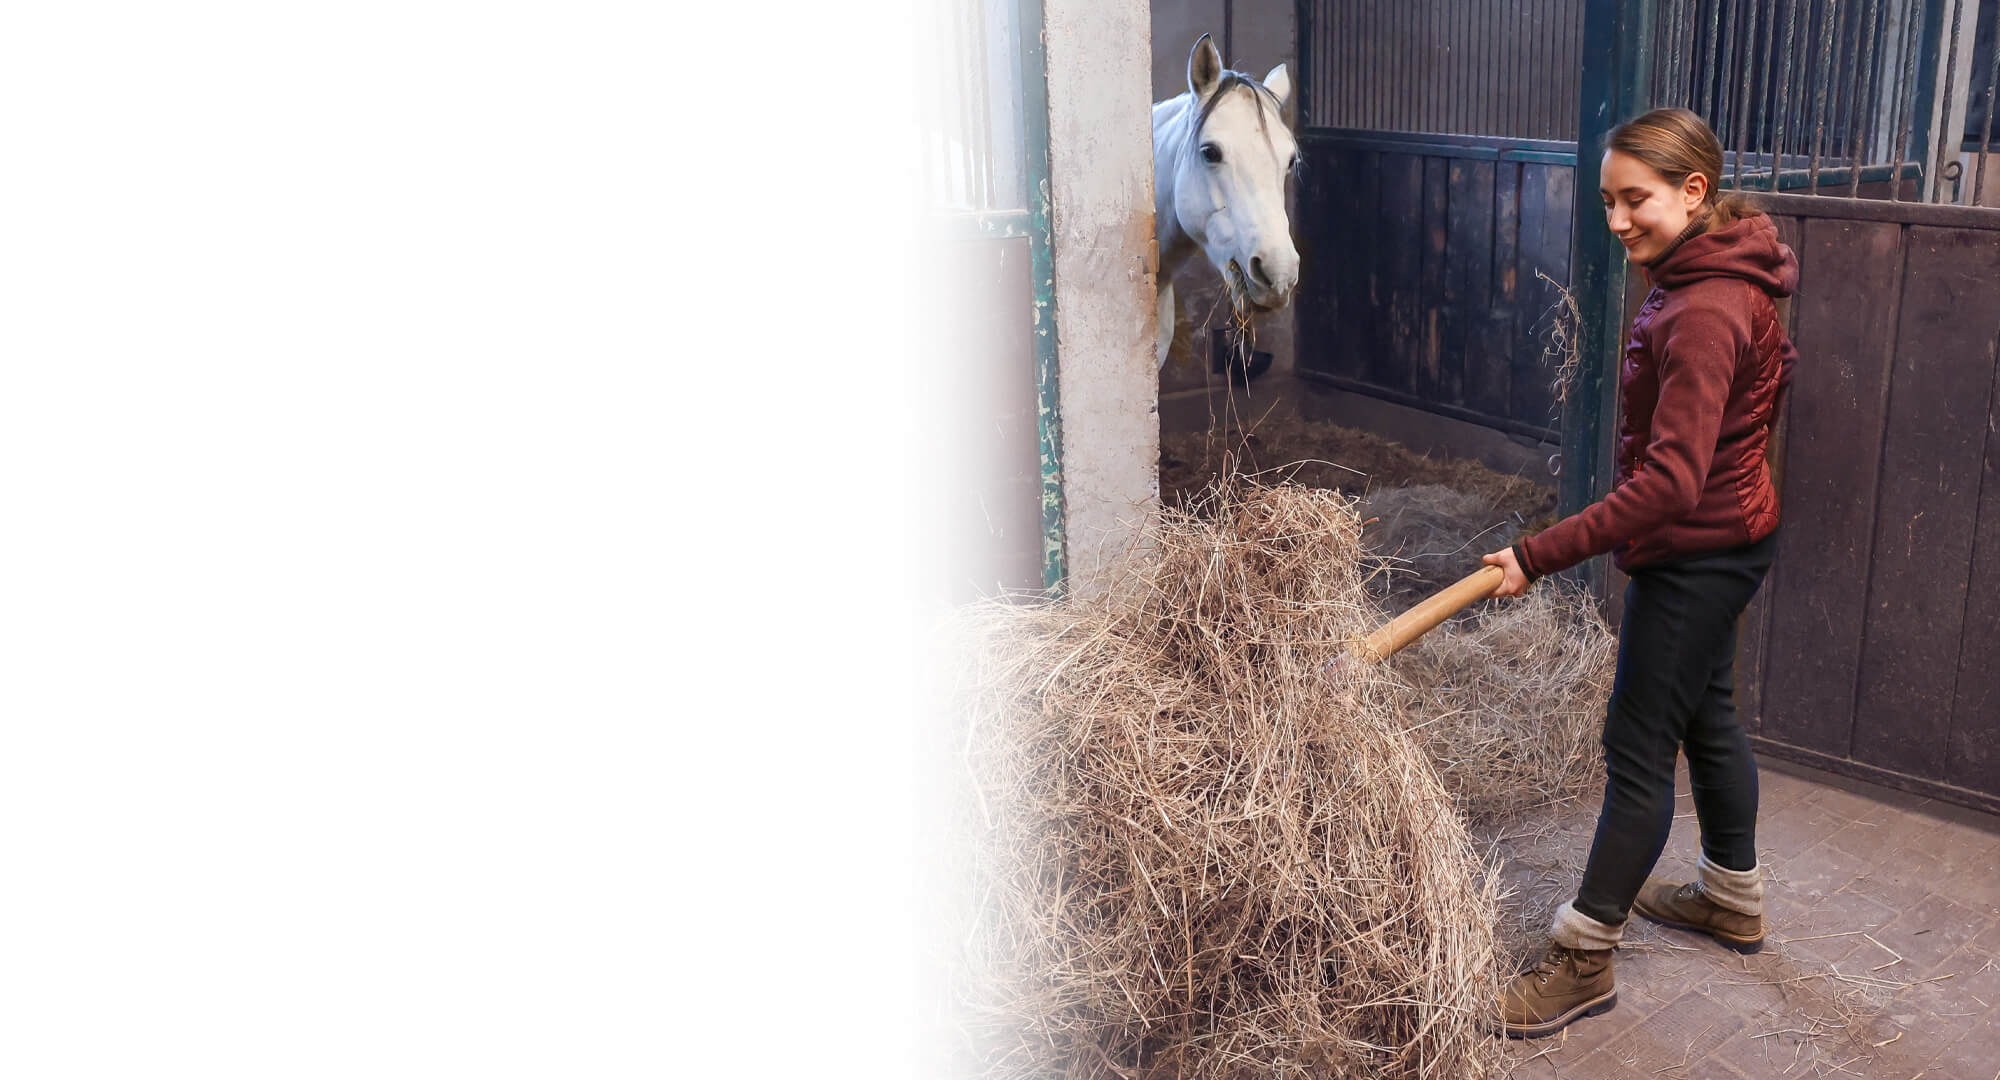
(1427, 258)
(1873, 648)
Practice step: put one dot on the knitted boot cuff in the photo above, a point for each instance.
(1573, 929)
(1741, 891)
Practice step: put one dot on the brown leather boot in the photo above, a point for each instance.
(1564, 985)
(1688, 907)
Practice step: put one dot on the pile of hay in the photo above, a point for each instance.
(1193, 853)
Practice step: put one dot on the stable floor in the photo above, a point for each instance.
(1883, 955)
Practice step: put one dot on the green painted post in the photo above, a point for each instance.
(1612, 88)
(1034, 82)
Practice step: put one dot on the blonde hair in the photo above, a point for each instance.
(1677, 144)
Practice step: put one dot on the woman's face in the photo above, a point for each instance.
(1643, 210)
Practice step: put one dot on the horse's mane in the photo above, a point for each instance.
(1231, 80)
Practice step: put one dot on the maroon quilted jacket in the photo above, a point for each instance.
(1700, 386)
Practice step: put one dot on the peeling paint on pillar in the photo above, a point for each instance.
(1048, 377)
(1098, 58)
(1048, 373)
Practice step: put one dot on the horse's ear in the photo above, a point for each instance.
(1204, 68)
(1279, 83)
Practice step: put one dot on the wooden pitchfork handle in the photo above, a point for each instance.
(1419, 620)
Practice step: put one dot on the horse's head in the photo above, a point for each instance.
(1229, 182)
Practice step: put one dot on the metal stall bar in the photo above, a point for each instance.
(1711, 62)
(1784, 88)
(1741, 106)
(1986, 129)
(1861, 114)
(1947, 140)
(1826, 71)
(1302, 14)
(1904, 104)
(1767, 90)
(1725, 82)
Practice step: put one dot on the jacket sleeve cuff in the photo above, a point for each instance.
(1521, 557)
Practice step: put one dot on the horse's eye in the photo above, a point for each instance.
(1211, 153)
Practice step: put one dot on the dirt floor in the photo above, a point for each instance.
(1322, 454)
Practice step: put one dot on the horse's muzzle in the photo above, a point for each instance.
(1249, 299)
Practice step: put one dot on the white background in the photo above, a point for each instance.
(453, 540)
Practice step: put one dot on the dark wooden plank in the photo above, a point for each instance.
(1380, 366)
(1836, 411)
(1400, 244)
(1841, 766)
(1973, 760)
(1451, 145)
(1533, 301)
(1560, 182)
(1322, 303)
(1927, 508)
(1312, 315)
(1636, 288)
(1506, 286)
(1545, 215)
(1359, 251)
(1753, 635)
(1753, 660)
(1875, 209)
(1431, 381)
(1755, 647)
(1755, 629)
(1468, 361)
(1353, 319)
(1791, 233)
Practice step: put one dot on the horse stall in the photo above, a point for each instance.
(1456, 297)
(1194, 807)
(1367, 378)
(1127, 626)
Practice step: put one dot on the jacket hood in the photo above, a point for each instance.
(1747, 248)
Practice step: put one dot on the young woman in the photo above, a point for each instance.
(1692, 518)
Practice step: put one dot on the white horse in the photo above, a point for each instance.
(1221, 153)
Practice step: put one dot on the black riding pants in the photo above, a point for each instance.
(1675, 691)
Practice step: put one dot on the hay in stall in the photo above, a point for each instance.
(1320, 453)
(1508, 702)
(1507, 699)
(1430, 535)
(1194, 854)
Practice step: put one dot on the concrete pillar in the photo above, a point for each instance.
(1099, 63)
